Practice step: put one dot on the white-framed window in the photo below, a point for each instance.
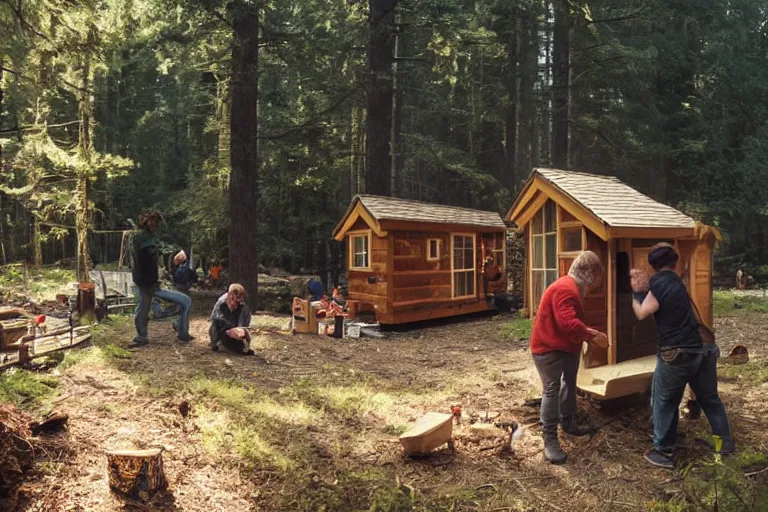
(463, 276)
(433, 249)
(543, 250)
(360, 250)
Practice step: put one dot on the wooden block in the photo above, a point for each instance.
(137, 474)
(430, 431)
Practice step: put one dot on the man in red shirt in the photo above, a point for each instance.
(558, 333)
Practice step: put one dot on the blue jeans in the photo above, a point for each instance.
(141, 314)
(697, 367)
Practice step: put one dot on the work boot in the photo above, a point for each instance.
(552, 451)
(570, 426)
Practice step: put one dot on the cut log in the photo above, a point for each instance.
(137, 474)
(54, 422)
(12, 331)
(11, 313)
(430, 431)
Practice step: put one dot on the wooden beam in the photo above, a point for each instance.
(420, 272)
(391, 273)
(611, 302)
(521, 204)
(359, 212)
(537, 204)
(590, 220)
(649, 232)
(436, 227)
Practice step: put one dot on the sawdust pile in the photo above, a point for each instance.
(16, 453)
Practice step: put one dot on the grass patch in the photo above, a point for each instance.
(728, 303)
(517, 329)
(41, 284)
(724, 486)
(351, 400)
(222, 434)
(753, 373)
(26, 389)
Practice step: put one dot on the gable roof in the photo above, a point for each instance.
(375, 209)
(604, 198)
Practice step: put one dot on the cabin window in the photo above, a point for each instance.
(360, 251)
(571, 239)
(543, 250)
(463, 265)
(496, 250)
(433, 249)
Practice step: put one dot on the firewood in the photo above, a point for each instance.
(53, 423)
(137, 474)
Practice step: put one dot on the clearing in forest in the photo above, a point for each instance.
(312, 424)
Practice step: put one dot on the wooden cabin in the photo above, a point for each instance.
(562, 213)
(411, 260)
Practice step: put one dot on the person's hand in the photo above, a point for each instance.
(639, 280)
(237, 333)
(601, 340)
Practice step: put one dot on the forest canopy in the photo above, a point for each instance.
(251, 124)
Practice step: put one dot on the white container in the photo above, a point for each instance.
(353, 331)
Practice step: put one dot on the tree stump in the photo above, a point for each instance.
(86, 303)
(137, 474)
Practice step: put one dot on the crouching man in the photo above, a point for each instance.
(229, 321)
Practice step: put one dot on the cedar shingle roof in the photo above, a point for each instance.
(614, 202)
(394, 208)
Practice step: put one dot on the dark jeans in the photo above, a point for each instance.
(697, 367)
(558, 371)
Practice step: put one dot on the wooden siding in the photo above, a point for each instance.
(360, 287)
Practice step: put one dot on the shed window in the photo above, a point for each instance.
(433, 249)
(572, 239)
(544, 250)
(360, 251)
(463, 265)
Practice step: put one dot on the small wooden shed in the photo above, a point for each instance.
(411, 260)
(563, 213)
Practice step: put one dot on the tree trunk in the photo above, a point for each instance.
(560, 84)
(396, 118)
(82, 213)
(510, 112)
(243, 187)
(379, 114)
(38, 245)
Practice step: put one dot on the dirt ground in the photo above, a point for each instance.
(312, 423)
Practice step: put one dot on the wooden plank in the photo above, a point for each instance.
(416, 280)
(431, 227)
(526, 195)
(576, 209)
(427, 293)
(443, 301)
(425, 272)
(611, 302)
(390, 274)
(358, 212)
(642, 232)
(431, 311)
(526, 215)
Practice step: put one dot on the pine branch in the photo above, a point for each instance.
(309, 122)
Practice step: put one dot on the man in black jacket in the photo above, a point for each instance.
(145, 277)
(229, 321)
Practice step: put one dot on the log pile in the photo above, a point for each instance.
(16, 454)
